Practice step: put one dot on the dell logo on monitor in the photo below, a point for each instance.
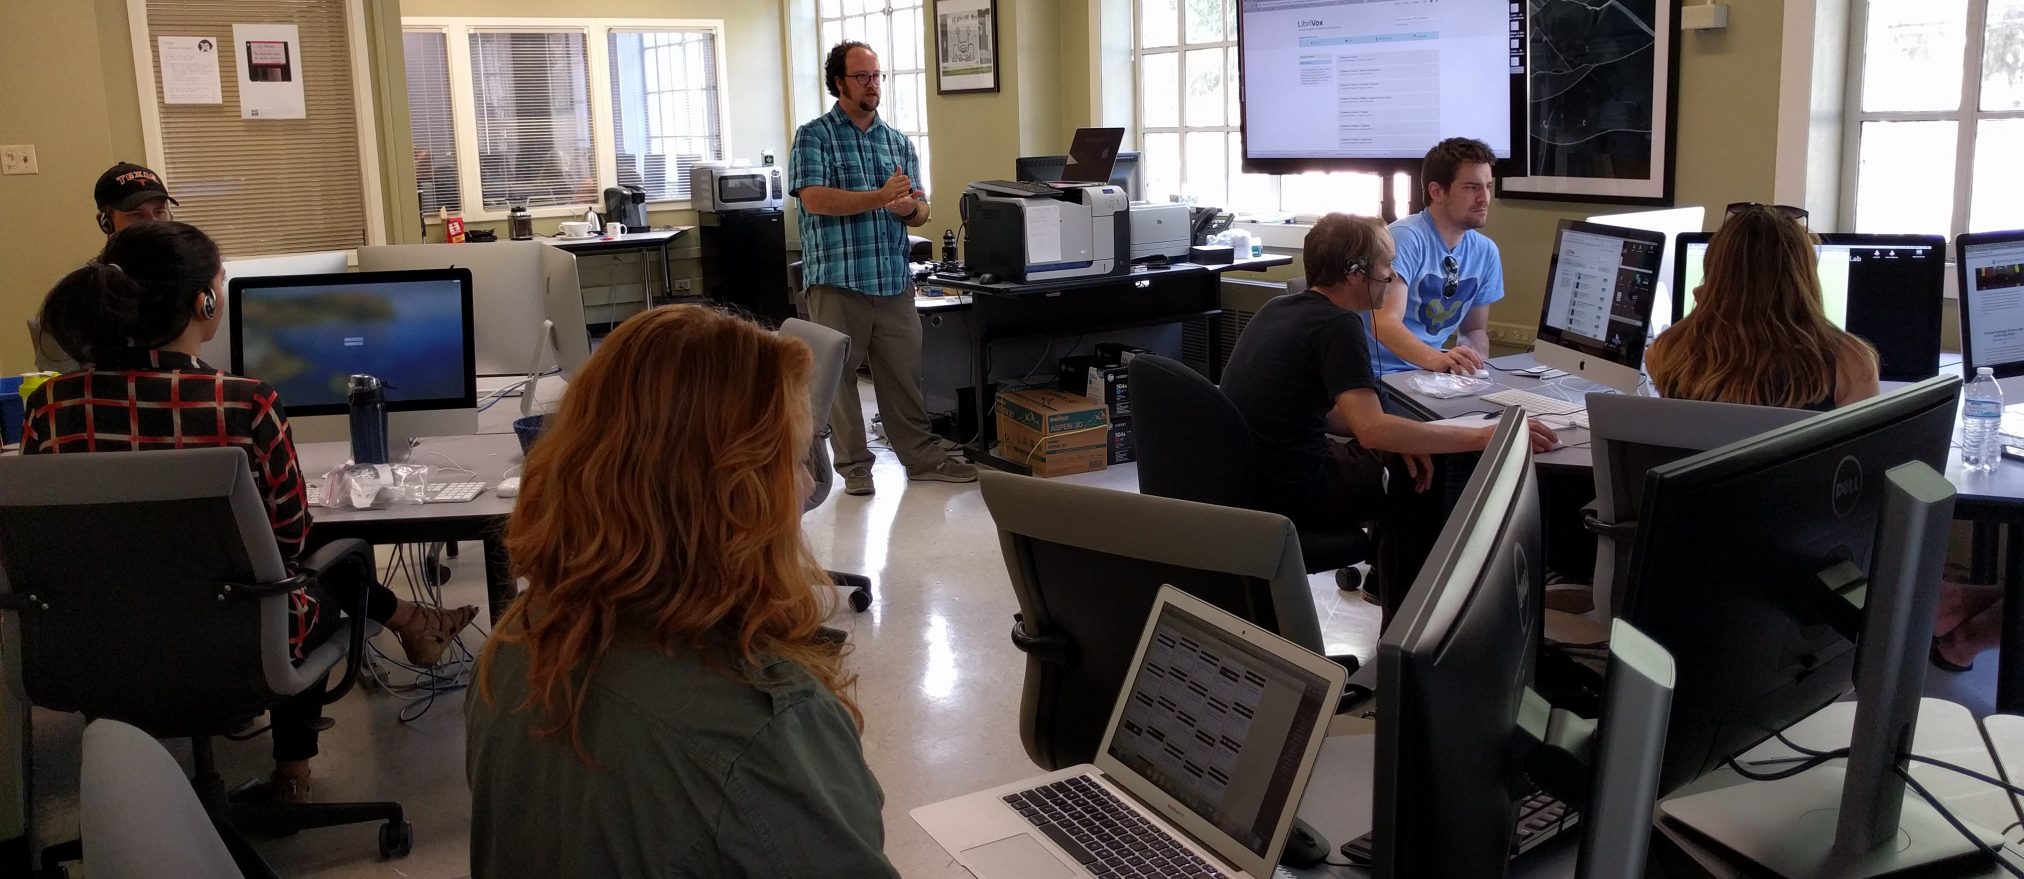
(1847, 487)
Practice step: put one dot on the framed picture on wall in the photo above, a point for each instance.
(1601, 89)
(966, 46)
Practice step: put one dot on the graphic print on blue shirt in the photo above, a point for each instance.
(1440, 314)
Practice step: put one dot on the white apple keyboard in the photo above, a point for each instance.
(433, 493)
(1533, 404)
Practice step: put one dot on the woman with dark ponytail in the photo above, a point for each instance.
(136, 317)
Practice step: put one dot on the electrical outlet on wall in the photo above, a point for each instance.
(684, 285)
(18, 159)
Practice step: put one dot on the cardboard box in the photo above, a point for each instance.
(1053, 433)
(1088, 377)
(1123, 447)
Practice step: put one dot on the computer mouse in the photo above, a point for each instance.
(1482, 372)
(507, 487)
(1304, 847)
(987, 278)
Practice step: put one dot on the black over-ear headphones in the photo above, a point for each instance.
(210, 305)
(104, 222)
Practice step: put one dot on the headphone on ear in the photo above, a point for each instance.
(104, 222)
(210, 305)
(1355, 266)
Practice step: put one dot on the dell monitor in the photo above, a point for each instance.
(1050, 169)
(1599, 291)
(1991, 266)
(1759, 566)
(306, 335)
(1886, 289)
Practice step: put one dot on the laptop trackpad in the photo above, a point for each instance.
(1016, 857)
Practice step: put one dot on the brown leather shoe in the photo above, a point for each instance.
(428, 633)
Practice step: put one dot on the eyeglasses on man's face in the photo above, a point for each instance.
(867, 79)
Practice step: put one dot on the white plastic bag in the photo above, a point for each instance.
(1446, 386)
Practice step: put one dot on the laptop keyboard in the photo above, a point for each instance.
(1016, 187)
(1105, 836)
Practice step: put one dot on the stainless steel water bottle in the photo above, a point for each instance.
(368, 399)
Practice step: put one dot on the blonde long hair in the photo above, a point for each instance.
(663, 501)
(1758, 333)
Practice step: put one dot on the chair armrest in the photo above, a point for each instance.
(1591, 521)
(1046, 648)
(325, 562)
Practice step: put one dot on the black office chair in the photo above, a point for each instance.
(1086, 563)
(149, 591)
(1194, 445)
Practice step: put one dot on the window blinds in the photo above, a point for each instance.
(435, 134)
(533, 119)
(265, 186)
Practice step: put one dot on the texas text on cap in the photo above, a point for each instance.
(126, 186)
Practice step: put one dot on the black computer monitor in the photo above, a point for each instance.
(1887, 289)
(1600, 288)
(1726, 566)
(1454, 666)
(1992, 301)
(1048, 169)
(306, 335)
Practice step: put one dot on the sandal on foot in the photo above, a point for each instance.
(1941, 662)
(429, 632)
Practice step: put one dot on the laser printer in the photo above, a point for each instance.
(1068, 232)
(1160, 230)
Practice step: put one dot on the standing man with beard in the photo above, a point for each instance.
(1451, 273)
(854, 175)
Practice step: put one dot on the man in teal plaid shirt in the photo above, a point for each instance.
(854, 176)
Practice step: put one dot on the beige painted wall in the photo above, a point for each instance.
(70, 92)
(1726, 151)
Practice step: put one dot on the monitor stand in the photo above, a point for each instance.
(1834, 823)
(401, 426)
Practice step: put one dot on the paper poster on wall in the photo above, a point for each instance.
(269, 59)
(190, 70)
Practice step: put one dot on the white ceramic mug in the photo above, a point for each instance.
(613, 230)
(575, 229)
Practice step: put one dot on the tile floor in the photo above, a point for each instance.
(939, 685)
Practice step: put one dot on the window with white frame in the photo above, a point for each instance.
(1186, 52)
(1936, 94)
(546, 114)
(896, 30)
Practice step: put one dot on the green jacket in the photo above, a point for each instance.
(700, 774)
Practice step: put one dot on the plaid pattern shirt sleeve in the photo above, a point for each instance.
(864, 252)
(164, 400)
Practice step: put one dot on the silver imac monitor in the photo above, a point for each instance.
(1599, 291)
(306, 335)
(1670, 222)
(507, 285)
(218, 351)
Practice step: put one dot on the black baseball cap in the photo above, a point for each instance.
(126, 186)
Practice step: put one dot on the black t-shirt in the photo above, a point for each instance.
(1291, 362)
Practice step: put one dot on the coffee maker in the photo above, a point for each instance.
(626, 204)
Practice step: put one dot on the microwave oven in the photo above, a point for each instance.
(715, 187)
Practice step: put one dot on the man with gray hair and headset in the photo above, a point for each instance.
(1302, 370)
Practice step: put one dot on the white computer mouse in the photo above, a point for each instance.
(1482, 373)
(507, 487)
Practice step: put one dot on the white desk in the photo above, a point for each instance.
(1338, 799)
(659, 240)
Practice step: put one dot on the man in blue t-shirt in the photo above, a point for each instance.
(1450, 272)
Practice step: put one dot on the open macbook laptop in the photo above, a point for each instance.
(1199, 773)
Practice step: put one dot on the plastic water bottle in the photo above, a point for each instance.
(1981, 416)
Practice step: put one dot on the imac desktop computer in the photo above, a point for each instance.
(1461, 734)
(218, 351)
(1887, 289)
(1599, 291)
(306, 335)
(1761, 566)
(508, 280)
(1671, 223)
(1992, 301)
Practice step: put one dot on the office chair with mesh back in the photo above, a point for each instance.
(149, 590)
(1193, 445)
(832, 351)
(1086, 563)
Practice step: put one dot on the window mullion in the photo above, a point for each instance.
(464, 119)
(603, 125)
(1968, 127)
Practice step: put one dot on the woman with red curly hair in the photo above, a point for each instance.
(661, 700)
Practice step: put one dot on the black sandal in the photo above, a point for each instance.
(1940, 661)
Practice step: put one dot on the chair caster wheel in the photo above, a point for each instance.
(860, 601)
(397, 838)
(1348, 579)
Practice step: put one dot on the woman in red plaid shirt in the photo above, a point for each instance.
(137, 316)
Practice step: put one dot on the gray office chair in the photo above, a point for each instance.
(149, 590)
(1629, 436)
(1086, 563)
(832, 351)
(143, 819)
